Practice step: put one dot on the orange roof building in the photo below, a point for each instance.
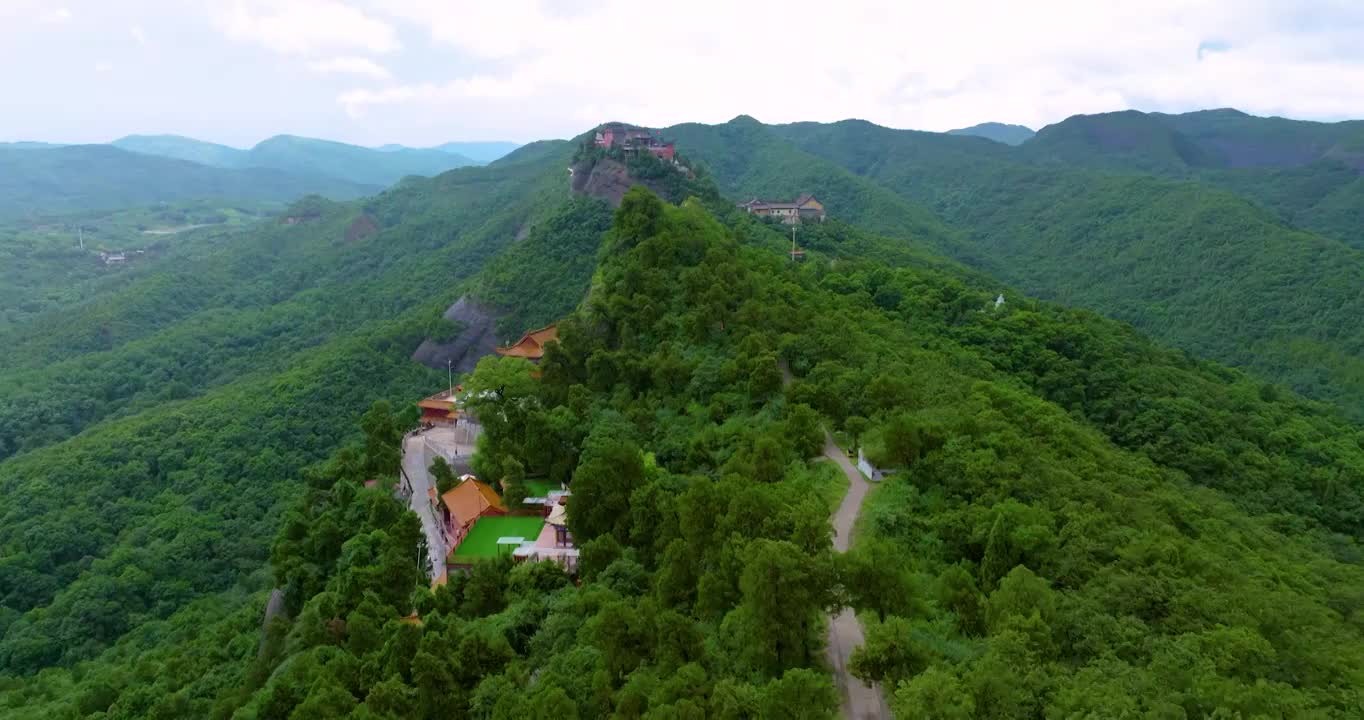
(467, 502)
(531, 346)
(439, 409)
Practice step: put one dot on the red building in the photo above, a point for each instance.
(439, 409)
(630, 138)
(664, 152)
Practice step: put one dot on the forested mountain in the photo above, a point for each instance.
(53, 262)
(1083, 524)
(313, 157)
(198, 390)
(1309, 173)
(94, 177)
(184, 148)
(354, 163)
(999, 132)
(479, 152)
(1080, 523)
(1188, 262)
(484, 152)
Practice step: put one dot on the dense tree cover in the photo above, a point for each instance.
(543, 277)
(1081, 523)
(1044, 550)
(706, 565)
(1053, 572)
(188, 325)
(1061, 536)
(159, 425)
(86, 177)
(43, 267)
(1191, 264)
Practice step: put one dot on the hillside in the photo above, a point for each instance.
(197, 391)
(1308, 173)
(1127, 139)
(43, 267)
(748, 160)
(184, 148)
(354, 163)
(375, 167)
(999, 132)
(93, 177)
(482, 152)
(1082, 523)
(1191, 264)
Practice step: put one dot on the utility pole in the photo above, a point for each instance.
(793, 243)
(450, 375)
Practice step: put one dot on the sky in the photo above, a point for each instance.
(422, 72)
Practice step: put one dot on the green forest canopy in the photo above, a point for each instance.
(1070, 530)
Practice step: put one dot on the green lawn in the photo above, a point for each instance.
(481, 542)
(540, 487)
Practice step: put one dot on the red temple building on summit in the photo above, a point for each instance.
(631, 138)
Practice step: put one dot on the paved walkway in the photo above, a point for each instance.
(860, 701)
(415, 464)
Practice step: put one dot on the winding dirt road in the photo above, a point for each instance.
(860, 701)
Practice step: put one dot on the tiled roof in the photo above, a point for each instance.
(470, 499)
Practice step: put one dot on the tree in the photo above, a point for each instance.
(444, 475)
(803, 430)
(800, 694)
(877, 577)
(935, 694)
(784, 594)
(892, 652)
(957, 592)
(608, 473)
(383, 440)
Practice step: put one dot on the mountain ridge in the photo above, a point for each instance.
(999, 132)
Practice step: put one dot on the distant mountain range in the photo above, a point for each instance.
(480, 152)
(138, 169)
(999, 132)
(372, 166)
(95, 177)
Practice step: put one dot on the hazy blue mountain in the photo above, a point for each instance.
(484, 152)
(91, 177)
(184, 148)
(480, 152)
(999, 132)
(305, 156)
(28, 145)
(351, 162)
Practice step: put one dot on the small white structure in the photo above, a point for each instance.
(872, 472)
(999, 301)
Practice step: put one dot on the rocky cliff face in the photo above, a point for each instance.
(476, 340)
(607, 179)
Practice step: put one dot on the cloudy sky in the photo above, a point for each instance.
(426, 71)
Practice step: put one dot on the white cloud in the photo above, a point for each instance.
(55, 16)
(305, 27)
(138, 34)
(905, 64)
(465, 89)
(103, 66)
(350, 65)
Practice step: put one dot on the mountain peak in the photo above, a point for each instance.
(999, 132)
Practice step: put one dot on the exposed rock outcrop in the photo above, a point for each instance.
(476, 340)
(608, 180)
